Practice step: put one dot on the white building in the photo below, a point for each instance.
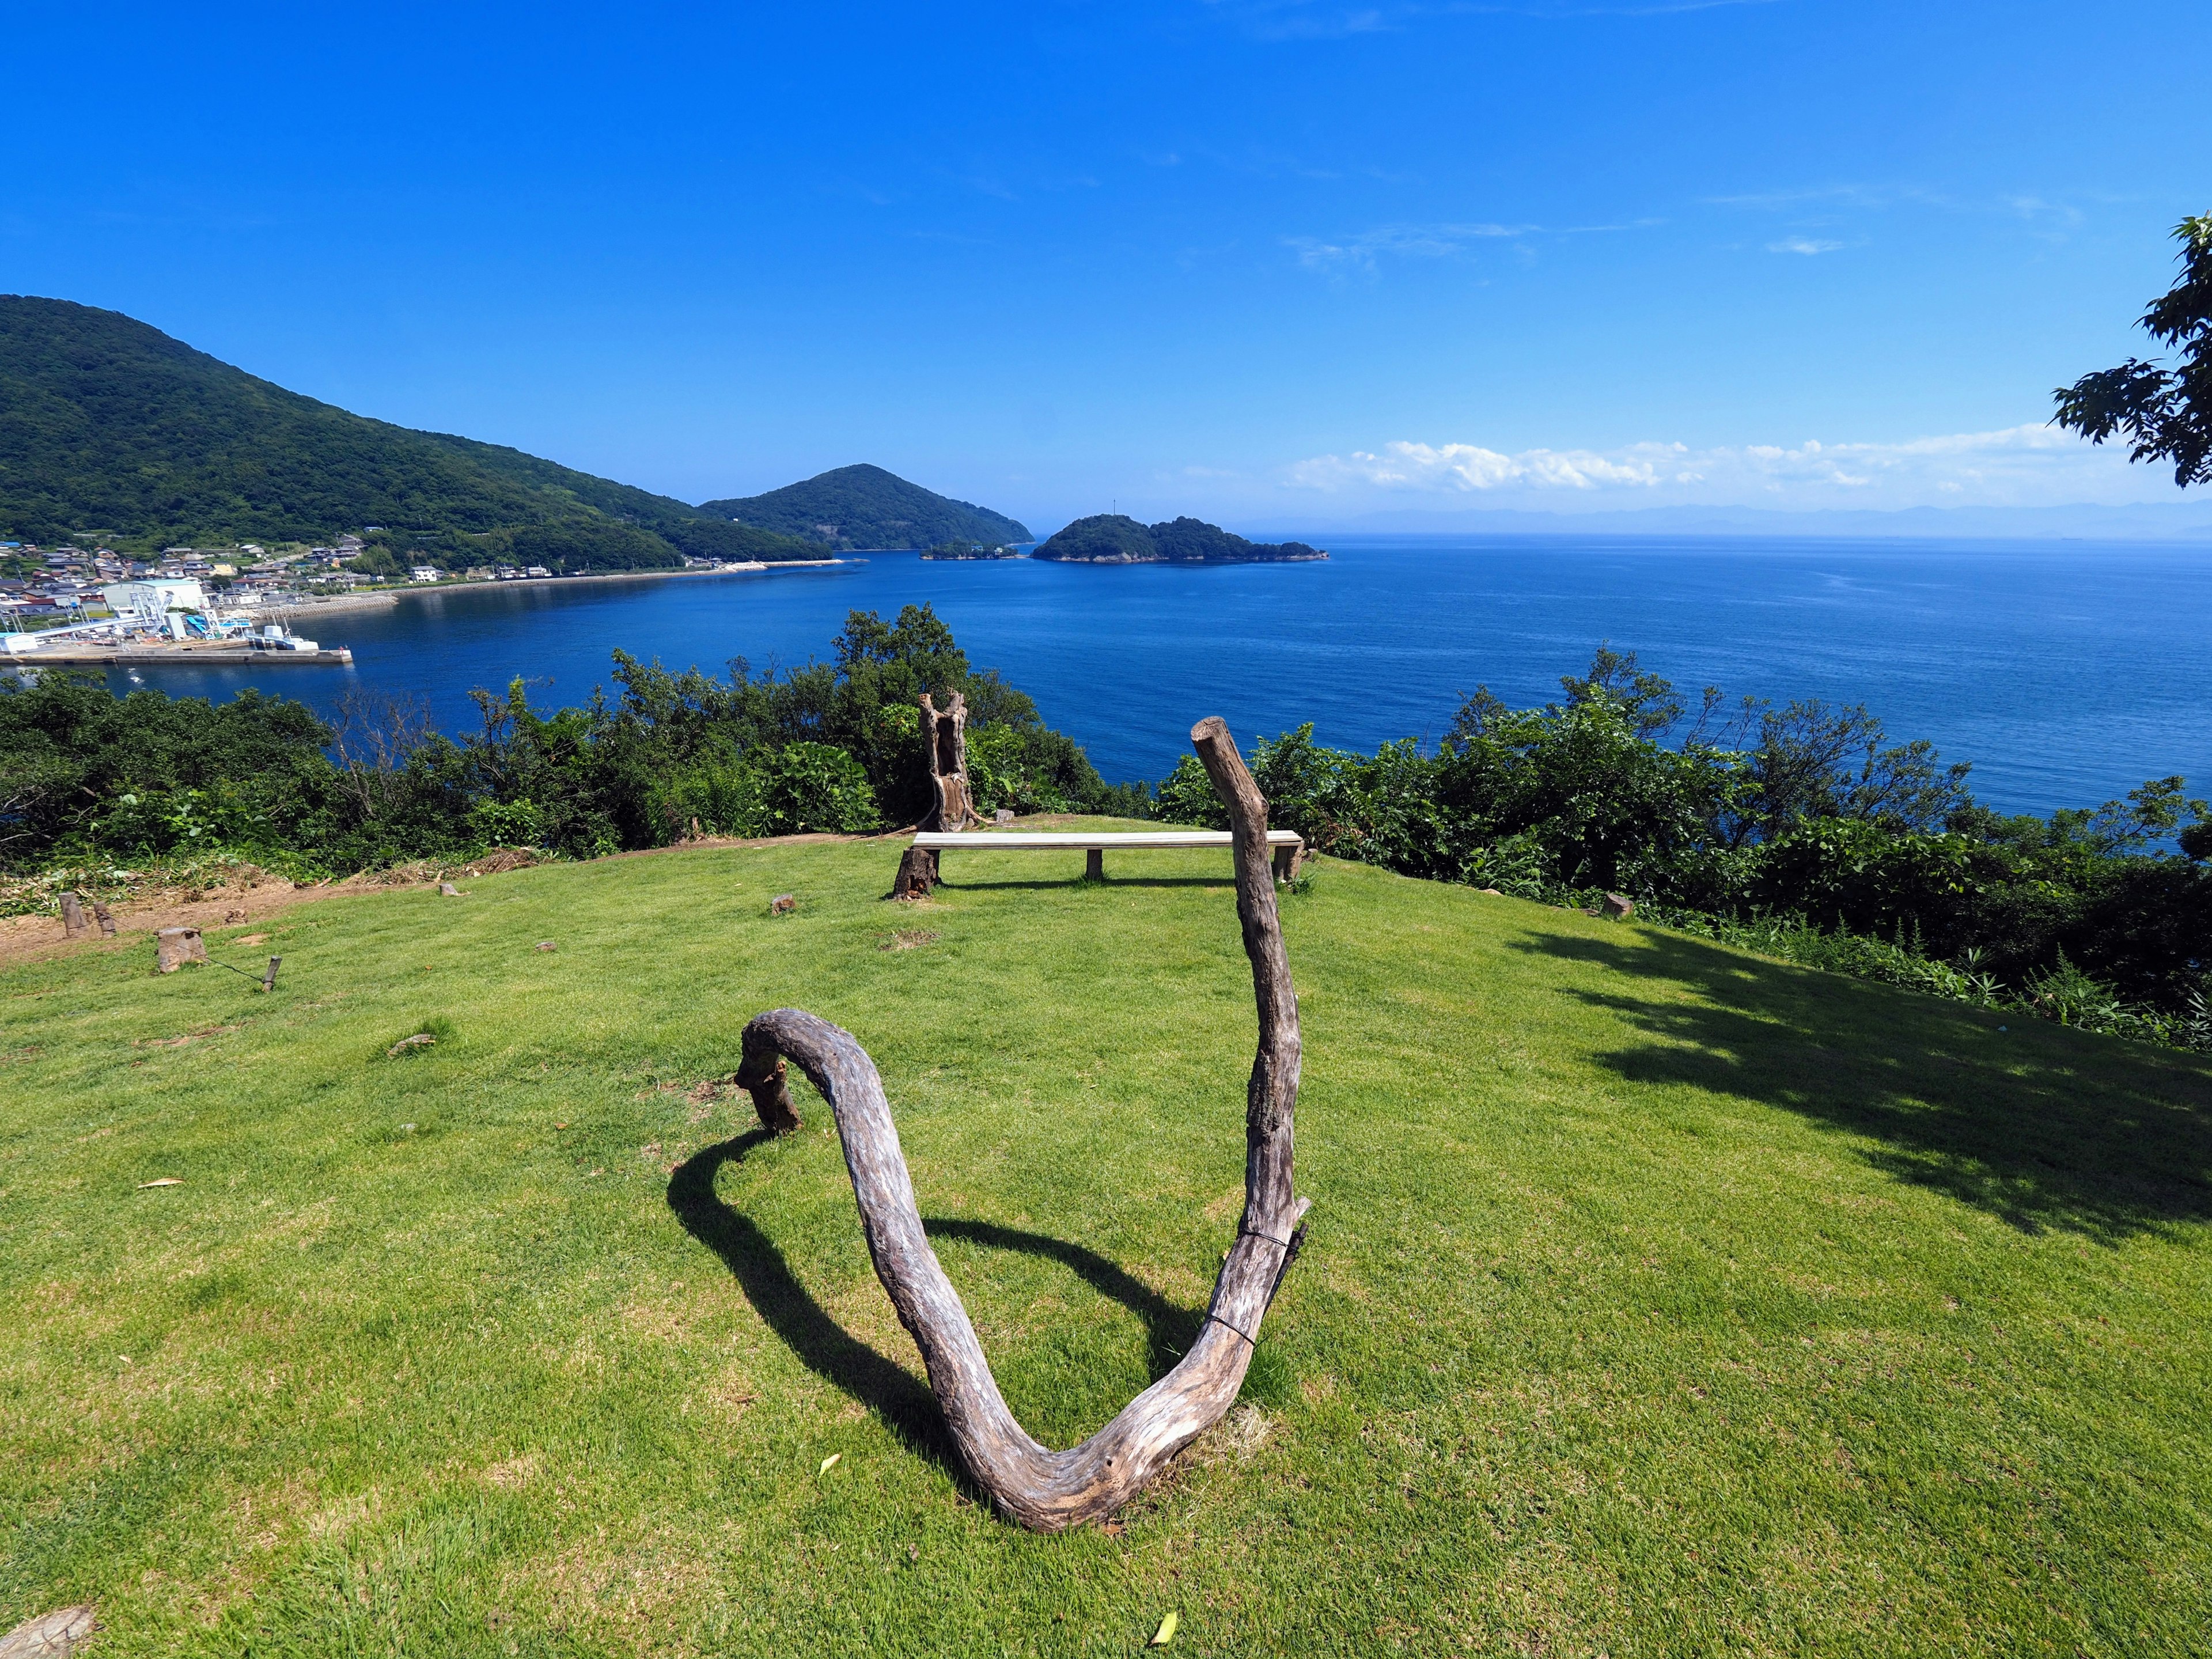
(147, 603)
(424, 573)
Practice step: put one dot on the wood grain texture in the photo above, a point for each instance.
(1041, 1488)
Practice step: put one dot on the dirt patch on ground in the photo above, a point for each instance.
(255, 897)
(33, 939)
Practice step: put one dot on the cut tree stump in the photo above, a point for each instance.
(1037, 1487)
(175, 947)
(73, 922)
(917, 874)
(104, 917)
(1617, 906)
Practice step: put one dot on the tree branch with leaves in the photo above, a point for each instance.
(2162, 414)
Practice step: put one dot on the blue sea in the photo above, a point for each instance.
(2068, 672)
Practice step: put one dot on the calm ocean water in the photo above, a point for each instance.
(2068, 672)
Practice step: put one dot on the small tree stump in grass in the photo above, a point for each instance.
(73, 925)
(175, 947)
(104, 917)
(917, 874)
(1004, 815)
(782, 904)
(1617, 907)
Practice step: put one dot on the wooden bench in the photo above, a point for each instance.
(1097, 842)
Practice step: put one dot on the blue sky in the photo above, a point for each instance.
(1252, 260)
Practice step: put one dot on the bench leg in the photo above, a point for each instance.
(1286, 863)
(1094, 864)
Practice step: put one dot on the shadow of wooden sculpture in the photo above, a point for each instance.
(1043, 1489)
(944, 741)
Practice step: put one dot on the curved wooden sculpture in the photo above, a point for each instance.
(1043, 1489)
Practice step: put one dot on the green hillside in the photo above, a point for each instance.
(1117, 538)
(111, 430)
(1658, 1300)
(865, 507)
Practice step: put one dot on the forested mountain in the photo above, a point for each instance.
(1117, 538)
(110, 430)
(865, 507)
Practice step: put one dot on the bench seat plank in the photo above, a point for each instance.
(1041, 840)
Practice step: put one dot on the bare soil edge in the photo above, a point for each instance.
(39, 937)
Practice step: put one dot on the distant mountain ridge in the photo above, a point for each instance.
(1117, 538)
(113, 432)
(856, 507)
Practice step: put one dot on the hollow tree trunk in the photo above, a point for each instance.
(946, 732)
(1038, 1487)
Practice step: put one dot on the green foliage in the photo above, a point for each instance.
(830, 746)
(865, 507)
(1117, 538)
(112, 429)
(1806, 812)
(2162, 414)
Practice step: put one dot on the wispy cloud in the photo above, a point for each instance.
(1366, 251)
(1329, 19)
(1802, 245)
(2020, 464)
(1362, 251)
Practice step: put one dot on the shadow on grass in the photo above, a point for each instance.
(829, 1351)
(2044, 1127)
(1169, 1330)
(906, 1407)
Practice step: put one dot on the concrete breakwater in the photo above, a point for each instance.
(173, 656)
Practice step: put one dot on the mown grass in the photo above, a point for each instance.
(1657, 1300)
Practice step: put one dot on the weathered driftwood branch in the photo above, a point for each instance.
(1040, 1488)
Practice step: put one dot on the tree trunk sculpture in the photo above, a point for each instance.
(945, 730)
(945, 742)
(1043, 1489)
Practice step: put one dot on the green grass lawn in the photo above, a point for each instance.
(1657, 1300)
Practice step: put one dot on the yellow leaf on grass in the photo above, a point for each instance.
(1165, 1633)
(828, 1463)
(160, 1181)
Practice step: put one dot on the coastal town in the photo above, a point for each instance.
(73, 604)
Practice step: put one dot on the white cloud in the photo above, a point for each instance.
(2021, 465)
(1802, 245)
(1361, 252)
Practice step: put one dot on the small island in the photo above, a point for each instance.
(1117, 538)
(960, 550)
